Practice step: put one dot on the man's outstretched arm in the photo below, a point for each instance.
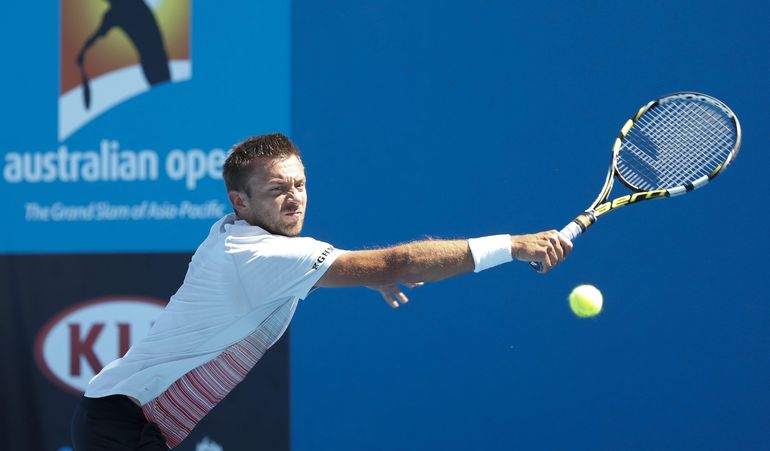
(432, 260)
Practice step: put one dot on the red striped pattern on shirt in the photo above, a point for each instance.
(177, 410)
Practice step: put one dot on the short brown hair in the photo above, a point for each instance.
(242, 157)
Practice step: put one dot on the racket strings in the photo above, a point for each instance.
(676, 143)
(657, 158)
(662, 160)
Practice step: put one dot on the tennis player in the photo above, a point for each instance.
(240, 292)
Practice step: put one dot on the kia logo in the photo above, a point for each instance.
(76, 344)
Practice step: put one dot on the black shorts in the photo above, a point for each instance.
(113, 423)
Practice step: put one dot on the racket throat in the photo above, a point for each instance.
(585, 220)
(579, 225)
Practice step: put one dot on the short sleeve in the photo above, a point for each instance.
(279, 267)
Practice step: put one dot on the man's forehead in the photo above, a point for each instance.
(278, 168)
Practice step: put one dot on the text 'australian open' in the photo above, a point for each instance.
(112, 164)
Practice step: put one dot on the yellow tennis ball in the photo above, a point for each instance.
(586, 301)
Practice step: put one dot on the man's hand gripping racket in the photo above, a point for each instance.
(671, 146)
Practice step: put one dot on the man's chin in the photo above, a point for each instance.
(291, 230)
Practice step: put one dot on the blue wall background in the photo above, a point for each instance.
(463, 118)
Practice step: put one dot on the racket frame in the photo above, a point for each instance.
(601, 206)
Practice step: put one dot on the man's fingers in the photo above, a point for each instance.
(553, 254)
(548, 248)
(566, 244)
(547, 262)
(398, 294)
(388, 298)
(393, 295)
(553, 237)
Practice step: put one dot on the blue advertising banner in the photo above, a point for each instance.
(117, 117)
(119, 120)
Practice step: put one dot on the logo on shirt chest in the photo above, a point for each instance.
(76, 344)
(322, 257)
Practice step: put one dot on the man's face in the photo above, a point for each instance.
(275, 197)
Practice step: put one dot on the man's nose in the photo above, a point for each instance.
(293, 194)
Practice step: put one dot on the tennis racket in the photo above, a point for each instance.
(671, 146)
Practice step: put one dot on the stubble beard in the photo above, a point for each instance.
(289, 229)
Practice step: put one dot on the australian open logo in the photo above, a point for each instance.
(112, 50)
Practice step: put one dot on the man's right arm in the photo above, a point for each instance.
(432, 260)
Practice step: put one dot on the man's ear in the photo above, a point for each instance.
(237, 198)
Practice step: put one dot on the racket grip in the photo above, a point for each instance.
(571, 231)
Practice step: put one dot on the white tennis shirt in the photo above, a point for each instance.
(237, 299)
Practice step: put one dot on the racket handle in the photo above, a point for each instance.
(571, 231)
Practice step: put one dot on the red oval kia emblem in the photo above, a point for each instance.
(78, 342)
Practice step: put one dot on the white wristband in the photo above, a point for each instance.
(490, 251)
